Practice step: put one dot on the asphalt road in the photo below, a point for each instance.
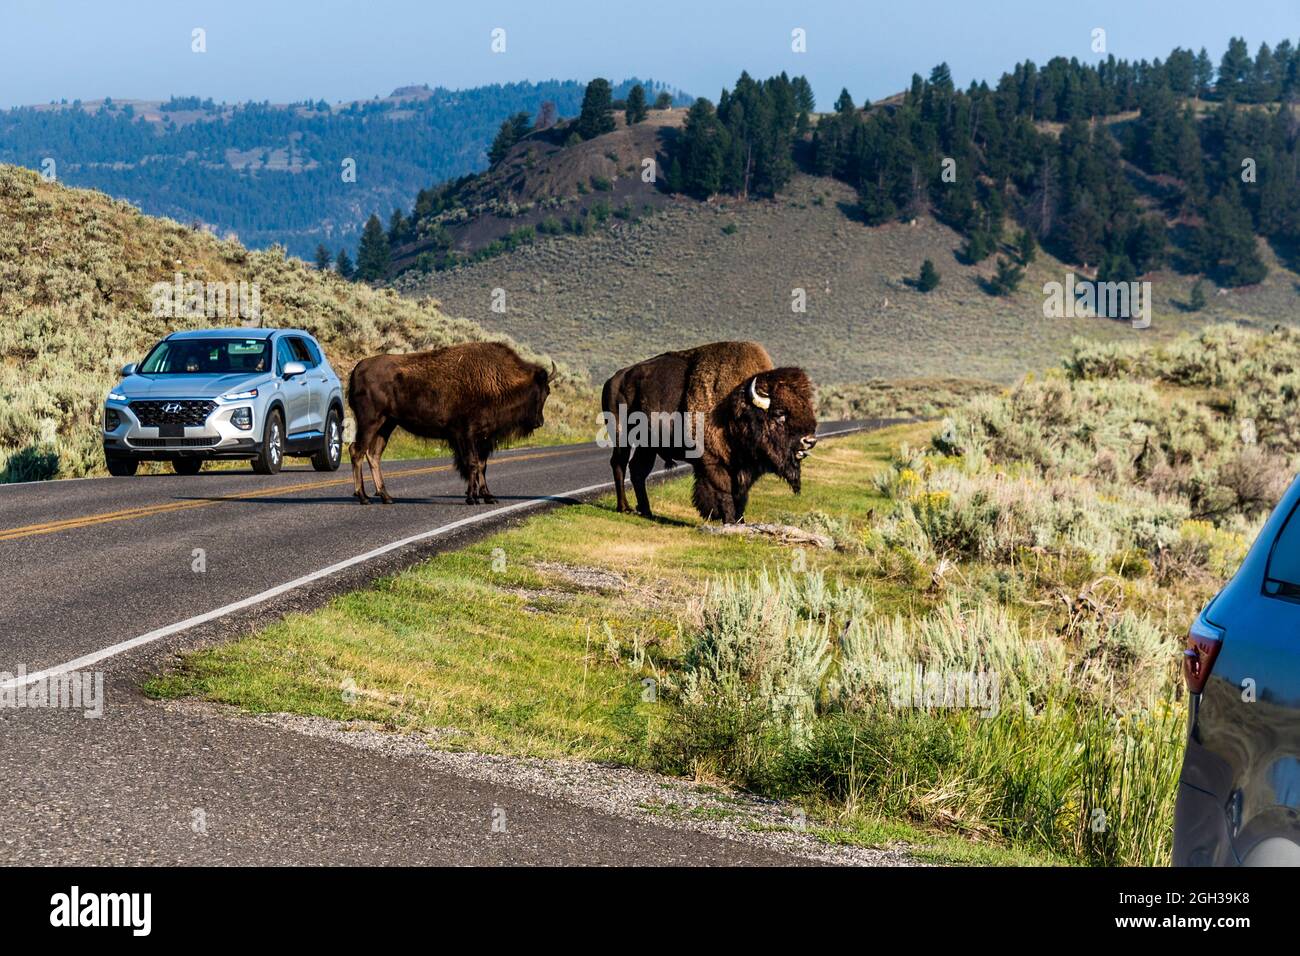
(101, 575)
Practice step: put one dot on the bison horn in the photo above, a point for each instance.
(757, 397)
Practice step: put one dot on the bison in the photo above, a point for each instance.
(740, 419)
(472, 396)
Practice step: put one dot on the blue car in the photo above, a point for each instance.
(1239, 794)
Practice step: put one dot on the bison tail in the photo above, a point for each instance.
(352, 390)
(607, 395)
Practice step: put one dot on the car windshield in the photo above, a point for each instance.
(206, 357)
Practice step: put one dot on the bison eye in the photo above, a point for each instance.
(780, 416)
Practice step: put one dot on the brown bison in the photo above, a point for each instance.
(739, 417)
(472, 396)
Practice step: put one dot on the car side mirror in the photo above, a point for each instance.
(294, 368)
(128, 369)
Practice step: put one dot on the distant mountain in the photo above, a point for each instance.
(275, 173)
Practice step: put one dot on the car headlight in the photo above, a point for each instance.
(242, 418)
(116, 397)
(111, 419)
(239, 396)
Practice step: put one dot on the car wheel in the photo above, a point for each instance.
(271, 456)
(120, 467)
(187, 466)
(331, 450)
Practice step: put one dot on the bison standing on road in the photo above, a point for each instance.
(742, 419)
(472, 396)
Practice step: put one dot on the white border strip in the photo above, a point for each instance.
(158, 634)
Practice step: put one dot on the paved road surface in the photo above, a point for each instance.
(99, 575)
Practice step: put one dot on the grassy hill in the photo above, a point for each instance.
(76, 268)
(727, 268)
(545, 177)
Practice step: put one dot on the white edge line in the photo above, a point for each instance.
(191, 622)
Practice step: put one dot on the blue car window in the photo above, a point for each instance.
(1283, 574)
(314, 349)
(283, 355)
(301, 353)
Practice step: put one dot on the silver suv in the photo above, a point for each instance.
(255, 394)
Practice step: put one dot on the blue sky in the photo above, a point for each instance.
(283, 50)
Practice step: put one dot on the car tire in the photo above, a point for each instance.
(330, 455)
(271, 455)
(121, 467)
(187, 466)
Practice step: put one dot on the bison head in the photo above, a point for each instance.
(774, 421)
(540, 392)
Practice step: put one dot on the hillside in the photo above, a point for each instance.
(272, 173)
(726, 269)
(541, 178)
(76, 269)
(808, 230)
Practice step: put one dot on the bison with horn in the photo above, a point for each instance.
(741, 418)
(472, 396)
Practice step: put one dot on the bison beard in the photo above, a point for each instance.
(758, 419)
(472, 396)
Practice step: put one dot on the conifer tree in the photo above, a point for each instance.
(928, 280)
(343, 265)
(595, 117)
(636, 106)
(373, 252)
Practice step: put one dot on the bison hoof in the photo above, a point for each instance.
(361, 499)
(488, 500)
(645, 512)
(386, 498)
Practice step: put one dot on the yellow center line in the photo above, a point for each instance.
(144, 511)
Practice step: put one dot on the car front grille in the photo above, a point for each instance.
(184, 413)
(175, 442)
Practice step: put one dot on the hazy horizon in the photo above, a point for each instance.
(342, 50)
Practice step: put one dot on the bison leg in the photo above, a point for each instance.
(618, 462)
(739, 502)
(483, 449)
(643, 462)
(374, 453)
(359, 450)
(711, 497)
(467, 463)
